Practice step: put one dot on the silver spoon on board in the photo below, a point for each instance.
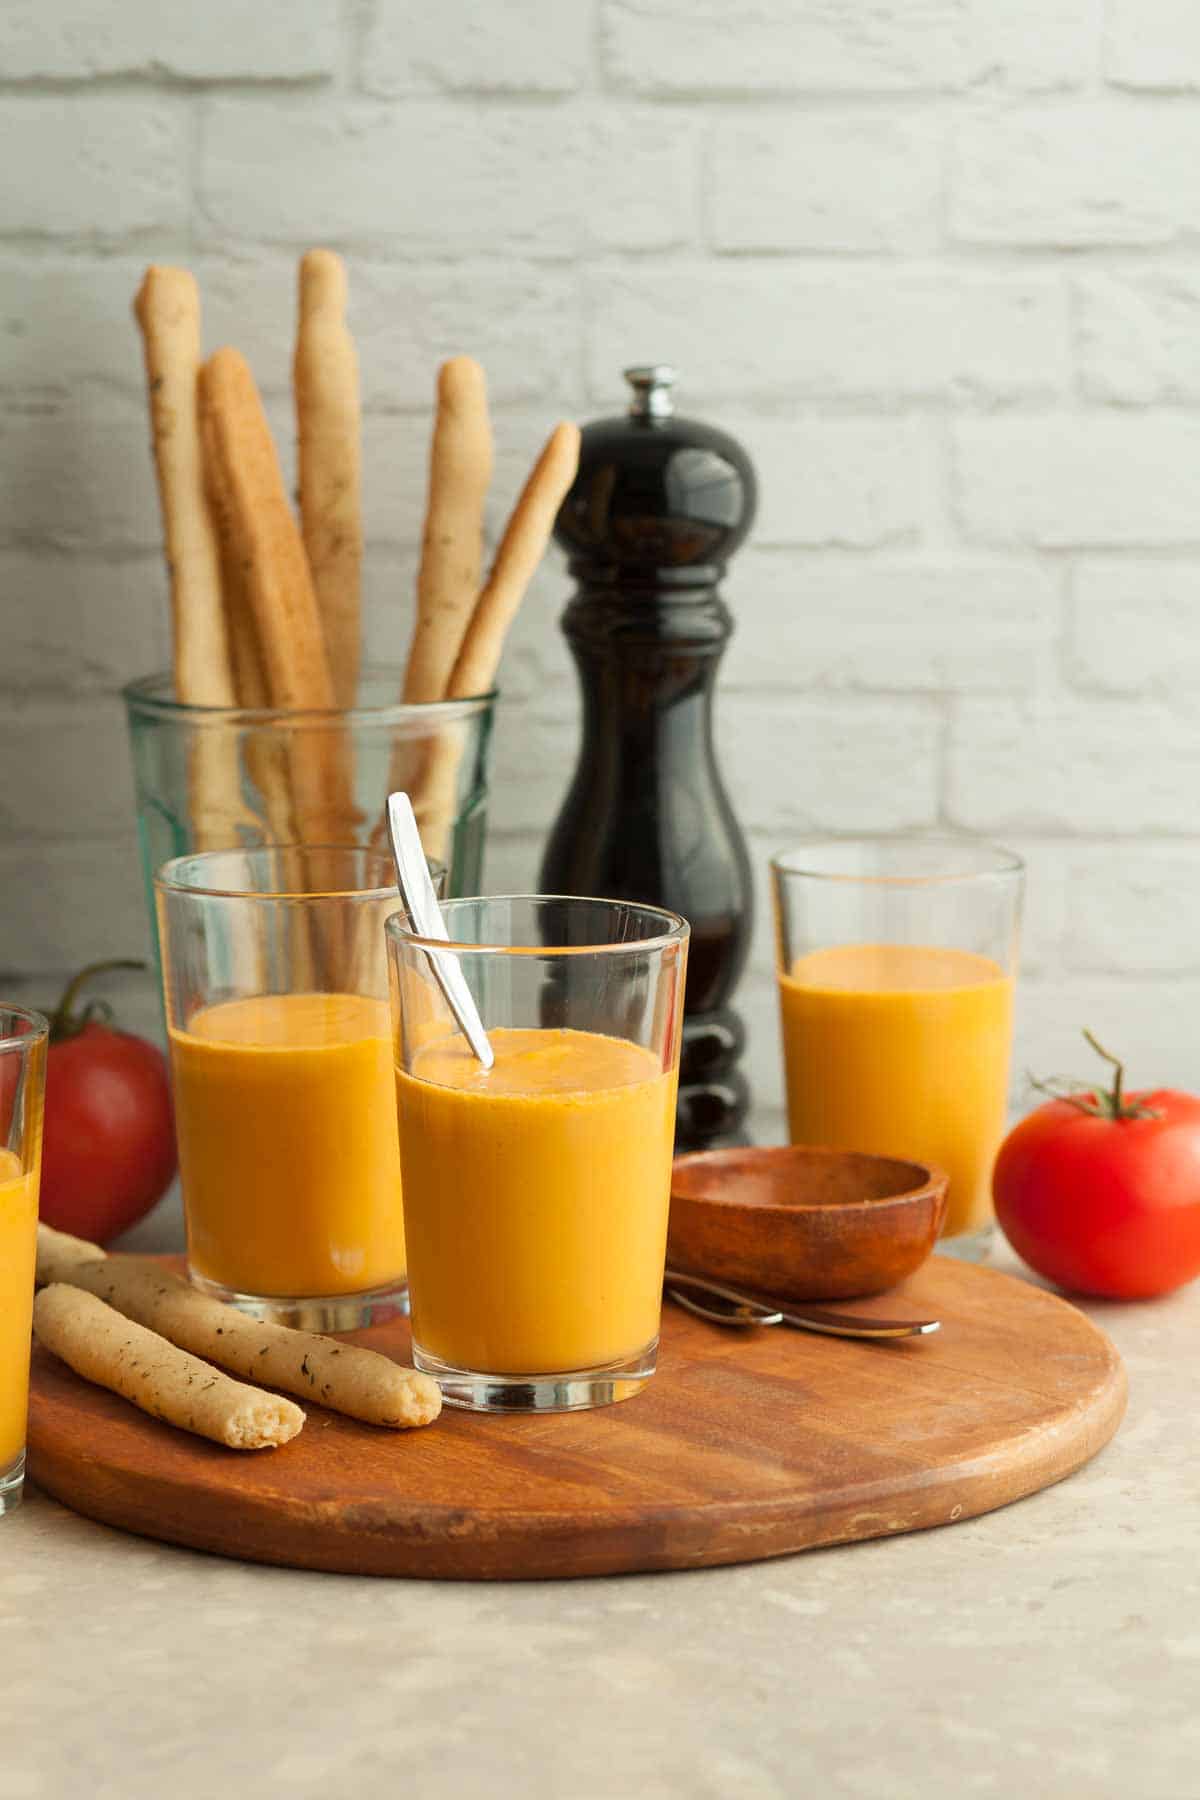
(737, 1307)
(725, 1312)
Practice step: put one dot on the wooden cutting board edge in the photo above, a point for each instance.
(423, 1540)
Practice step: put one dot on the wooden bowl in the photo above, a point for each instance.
(801, 1223)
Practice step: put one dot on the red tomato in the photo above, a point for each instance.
(108, 1153)
(1100, 1191)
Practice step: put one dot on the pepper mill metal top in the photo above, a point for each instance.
(651, 384)
(668, 496)
(659, 504)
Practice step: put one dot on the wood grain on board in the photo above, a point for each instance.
(744, 1445)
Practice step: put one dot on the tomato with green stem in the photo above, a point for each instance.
(108, 1150)
(1098, 1189)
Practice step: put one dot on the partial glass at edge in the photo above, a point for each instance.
(275, 993)
(536, 1194)
(897, 960)
(22, 1091)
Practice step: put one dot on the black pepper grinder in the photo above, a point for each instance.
(658, 506)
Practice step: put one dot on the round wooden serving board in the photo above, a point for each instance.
(744, 1445)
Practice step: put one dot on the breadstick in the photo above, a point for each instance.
(264, 755)
(60, 1256)
(522, 547)
(521, 550)
(145, 1369)
(167, 309)
(341, 1377)
(460, 472)
(267, 544)
(325, 379)
(264, 534)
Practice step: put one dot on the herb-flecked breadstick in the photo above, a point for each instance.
(105, 1348)
(342, 1377)
(60, 1256)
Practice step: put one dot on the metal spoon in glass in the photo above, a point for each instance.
(425, 917)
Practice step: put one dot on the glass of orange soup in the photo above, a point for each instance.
(536, 1191)
(22, 1091)
(897, 959)
(275, 984)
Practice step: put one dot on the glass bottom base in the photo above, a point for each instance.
(316, 1312)
(570, 1391)
(969, 1246)
(12, 1485)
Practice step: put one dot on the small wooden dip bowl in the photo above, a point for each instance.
(803, 1224)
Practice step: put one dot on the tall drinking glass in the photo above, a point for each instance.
(275, 990)
(23, 1038)
(536, 1192)
(897, 960)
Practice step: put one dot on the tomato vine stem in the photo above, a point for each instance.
(1096, 1102)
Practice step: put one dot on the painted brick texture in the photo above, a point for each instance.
(934, 260)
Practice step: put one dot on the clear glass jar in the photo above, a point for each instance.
(215, 778)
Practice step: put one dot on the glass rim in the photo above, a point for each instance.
(677, 928)
(1004, 863)
(164, 877)
(38, 1022)
(143, 698)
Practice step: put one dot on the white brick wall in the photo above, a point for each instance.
(935, 260)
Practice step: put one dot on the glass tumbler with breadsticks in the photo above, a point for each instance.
(270, 728)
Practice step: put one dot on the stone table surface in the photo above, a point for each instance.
(1051, 1649)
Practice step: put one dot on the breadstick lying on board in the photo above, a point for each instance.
(325, 380)
(167, 309)
(342, 1377)
(460, 473)
(60, 1256)
(152, 1374)
(267, 543)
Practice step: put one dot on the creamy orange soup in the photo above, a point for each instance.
(286, 1116)
(18, 1249)
(904, 1051)
(535, 1198)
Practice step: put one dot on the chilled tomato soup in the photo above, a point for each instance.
(286, 1117)
(18, 1247)
(535, 1199)
(903, 1051)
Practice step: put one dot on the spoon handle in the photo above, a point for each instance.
(811, 1318)
(425, 917)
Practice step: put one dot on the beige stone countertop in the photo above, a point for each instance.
(1048, 1650)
